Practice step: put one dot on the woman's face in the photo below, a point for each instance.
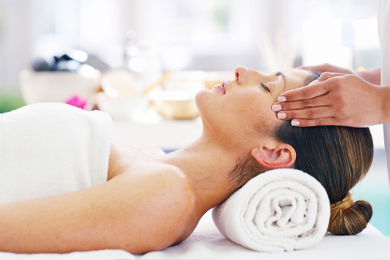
(243, 106)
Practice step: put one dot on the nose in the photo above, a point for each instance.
(242, 74)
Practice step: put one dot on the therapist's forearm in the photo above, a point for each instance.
(384, 99)
(371, 75)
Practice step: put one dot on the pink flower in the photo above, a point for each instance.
(78, 102)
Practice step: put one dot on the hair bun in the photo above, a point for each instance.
(349, 218)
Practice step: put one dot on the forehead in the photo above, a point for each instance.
(295, 78)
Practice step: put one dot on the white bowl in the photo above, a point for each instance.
(122, 108)
(58, 86)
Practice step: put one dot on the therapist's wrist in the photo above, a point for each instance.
(384, 99)
(371, 75)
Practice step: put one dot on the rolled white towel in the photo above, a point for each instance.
(279, 210)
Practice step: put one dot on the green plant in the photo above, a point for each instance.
(10, 101)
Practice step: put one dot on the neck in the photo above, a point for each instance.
(207, 165)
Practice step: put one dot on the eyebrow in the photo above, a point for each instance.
(279, 73)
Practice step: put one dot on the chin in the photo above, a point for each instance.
(201, 98)
(203, 101)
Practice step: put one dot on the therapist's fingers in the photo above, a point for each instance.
(307, 113)
(320, 101)
(325, 83)
(327, 75)
(311, 91)
(326, 67)
(320, 67)
(315, 122)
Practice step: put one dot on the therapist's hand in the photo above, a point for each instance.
(326, 67)
(333, 99)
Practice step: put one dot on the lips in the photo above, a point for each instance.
(222, 87)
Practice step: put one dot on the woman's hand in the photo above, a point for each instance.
(334, 99)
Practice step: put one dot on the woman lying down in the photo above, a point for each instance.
(146, 200)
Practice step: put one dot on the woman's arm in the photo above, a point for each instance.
(137, 213)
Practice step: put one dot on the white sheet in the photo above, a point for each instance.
(208, 243)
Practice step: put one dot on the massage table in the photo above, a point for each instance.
(206, 242)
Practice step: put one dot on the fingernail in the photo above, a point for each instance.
(281, 99)
(294, 122)
(281, 115)
(313, 82)
(276, 108)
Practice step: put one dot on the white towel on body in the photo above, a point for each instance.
(279, 210)
(48, 149)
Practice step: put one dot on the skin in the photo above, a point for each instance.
(152, 200)
(339, 97)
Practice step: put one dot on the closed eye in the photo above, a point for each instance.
(265, 87)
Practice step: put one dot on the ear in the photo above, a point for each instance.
(275, 155)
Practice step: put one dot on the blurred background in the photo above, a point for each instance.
(143, 60)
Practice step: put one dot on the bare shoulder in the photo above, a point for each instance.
(159, 176)
(165, 201)
(172, 187)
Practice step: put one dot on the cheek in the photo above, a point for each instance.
(248, 110)
(261, 112)
(255, 106)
